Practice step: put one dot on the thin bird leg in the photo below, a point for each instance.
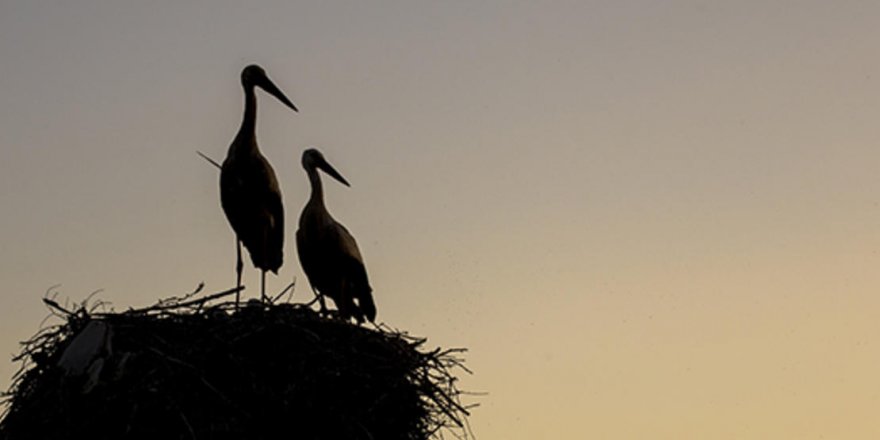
(263, 296)
(238, 267)
(321, 303)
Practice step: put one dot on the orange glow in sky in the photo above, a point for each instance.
(646, 220)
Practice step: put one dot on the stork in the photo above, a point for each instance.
(328, 253)
(249, 191)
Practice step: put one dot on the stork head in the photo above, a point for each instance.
(313, 159)
(254, 75)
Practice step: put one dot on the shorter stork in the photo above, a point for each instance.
(327, 251)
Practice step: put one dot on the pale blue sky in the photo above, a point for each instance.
(645, 219)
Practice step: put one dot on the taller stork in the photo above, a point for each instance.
(327, 251)
(249, 191)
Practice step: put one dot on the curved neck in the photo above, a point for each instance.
(317, 189)
(249, 121)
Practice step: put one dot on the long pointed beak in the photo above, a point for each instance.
(270, 88)
(332, 172)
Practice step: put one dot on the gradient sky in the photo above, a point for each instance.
(646, 220)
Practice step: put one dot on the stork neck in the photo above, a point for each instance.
(317, 188)
(249, 120)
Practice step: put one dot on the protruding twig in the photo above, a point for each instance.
(52, 304)
(288, 288)
(212, 161)
(179, 305)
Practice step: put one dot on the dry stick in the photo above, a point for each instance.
(88, 298)
(207, 298)
(196, 291)
(192, 433)
(212, 161)
(51, 303)
(289, 286)
(187, 303)
(178, 299)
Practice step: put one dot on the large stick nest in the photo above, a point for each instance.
(189, 369)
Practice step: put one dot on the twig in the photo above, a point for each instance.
(52, 304)
(192, 432)
(88, 298)
(210, 297)
(289, 287)
(212, 161)
(161, 307)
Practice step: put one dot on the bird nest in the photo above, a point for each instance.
(192, 368)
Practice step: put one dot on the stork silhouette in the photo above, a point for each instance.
(328, 253)
(249, 191)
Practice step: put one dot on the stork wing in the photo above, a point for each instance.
(309, 259)
(343, 242)
(251, 199)
(351, 265)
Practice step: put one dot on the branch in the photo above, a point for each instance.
(212, 161)
(51, 303)
(200, 301)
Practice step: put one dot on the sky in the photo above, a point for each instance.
(645, 220)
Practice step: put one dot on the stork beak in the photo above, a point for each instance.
(332, 172)
(266, 84)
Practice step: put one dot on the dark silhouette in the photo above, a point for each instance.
(249, 191)
(188, 369)
(327, 251)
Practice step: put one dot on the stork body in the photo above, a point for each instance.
(327, 251)
(249, 191)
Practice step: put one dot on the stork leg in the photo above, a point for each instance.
(263, 286)
(238, 268)
(321, 302)
(324, 310)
